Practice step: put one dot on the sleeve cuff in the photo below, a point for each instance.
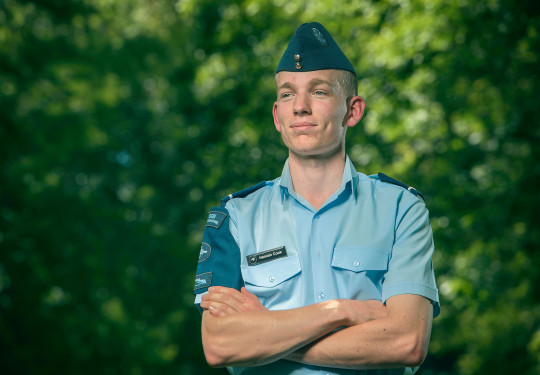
(198, 299)
(413, 288)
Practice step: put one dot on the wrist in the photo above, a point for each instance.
(338, 315)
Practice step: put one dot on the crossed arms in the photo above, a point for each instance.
(237, 330)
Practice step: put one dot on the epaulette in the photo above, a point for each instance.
(390, 180)
(242, 193)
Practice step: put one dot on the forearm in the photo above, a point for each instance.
(398, 340)
(254, 338)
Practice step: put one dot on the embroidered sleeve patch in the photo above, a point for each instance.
(205, 252)
(204, 280)
(215, 219)
(266, 256)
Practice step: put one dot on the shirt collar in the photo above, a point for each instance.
(349, 175)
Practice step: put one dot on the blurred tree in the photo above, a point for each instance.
(122, 121)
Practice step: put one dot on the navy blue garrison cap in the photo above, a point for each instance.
(313, 48)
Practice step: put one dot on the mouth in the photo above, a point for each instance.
(301, 126)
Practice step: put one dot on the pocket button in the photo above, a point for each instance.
(272, 279)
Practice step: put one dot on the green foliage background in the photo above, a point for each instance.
(122, 121)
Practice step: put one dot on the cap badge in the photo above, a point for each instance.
(319, 37)
(298, 58)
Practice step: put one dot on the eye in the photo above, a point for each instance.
(319, 92)
(285, 95)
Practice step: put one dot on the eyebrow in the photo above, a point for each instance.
(316, 82)
(286, 85)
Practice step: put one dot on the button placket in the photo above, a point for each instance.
(317, 224)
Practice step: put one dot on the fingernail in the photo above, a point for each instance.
(211, 289)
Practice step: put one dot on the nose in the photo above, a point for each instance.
(301, 104)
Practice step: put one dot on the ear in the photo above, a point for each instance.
(356, 110)
(274, 114)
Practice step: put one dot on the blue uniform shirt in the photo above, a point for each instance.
(370, 240)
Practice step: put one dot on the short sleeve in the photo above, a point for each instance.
(410, 269)
(219, 258)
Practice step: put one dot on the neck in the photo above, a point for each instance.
(316, 179)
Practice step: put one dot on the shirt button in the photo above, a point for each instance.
(356, 263)
(321, 296)
(272, 279)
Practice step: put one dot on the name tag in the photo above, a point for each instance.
(266, 256)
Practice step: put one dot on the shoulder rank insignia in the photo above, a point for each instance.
(390, 180)
(243, 193)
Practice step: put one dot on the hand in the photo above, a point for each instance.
(359, 312)
(221, 301)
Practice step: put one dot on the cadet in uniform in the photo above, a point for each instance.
(324, 270)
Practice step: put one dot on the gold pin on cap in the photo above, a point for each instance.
(297, 58)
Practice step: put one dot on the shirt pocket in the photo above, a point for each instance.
(273, 282)
(359, 271)
(271, 274)
(360, 259)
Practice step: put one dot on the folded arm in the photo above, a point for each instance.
(238, 331)
(399, 339)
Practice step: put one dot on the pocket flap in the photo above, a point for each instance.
(358, 259)
(272, 273)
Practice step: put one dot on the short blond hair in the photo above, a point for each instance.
(348, 82)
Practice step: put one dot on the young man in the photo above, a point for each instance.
(323, 270)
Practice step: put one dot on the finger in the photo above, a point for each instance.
(217, 309)
(225, 299)
(216, 312)
(229, 292)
